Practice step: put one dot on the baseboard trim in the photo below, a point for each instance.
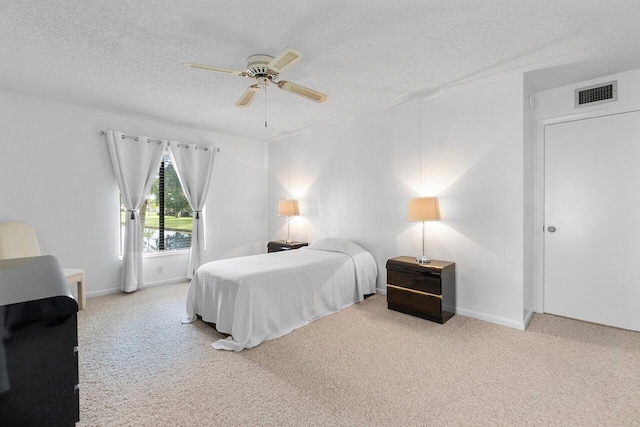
(480, 316)
(102, 292)
(489, 318)
(109, 291)
(527, 318)
(166, 281)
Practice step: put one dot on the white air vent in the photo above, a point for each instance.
(597, 94)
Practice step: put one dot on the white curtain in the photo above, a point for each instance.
(135, 163)
(193, 166)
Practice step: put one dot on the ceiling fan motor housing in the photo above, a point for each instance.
(257, 66)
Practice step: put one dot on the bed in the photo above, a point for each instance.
(262, 297)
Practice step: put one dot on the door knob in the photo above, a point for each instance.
(551, 229)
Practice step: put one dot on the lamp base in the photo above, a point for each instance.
(288, 241)
(423, 260)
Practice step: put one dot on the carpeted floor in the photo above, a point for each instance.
(366, 365)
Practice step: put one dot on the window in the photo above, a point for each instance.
(165, 213)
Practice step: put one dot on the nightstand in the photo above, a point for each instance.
(423, 290)
(280, 245)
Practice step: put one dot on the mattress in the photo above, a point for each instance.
(262, 297)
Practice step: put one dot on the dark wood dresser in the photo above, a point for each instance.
(423, 290)
(280, 245)
(38, 344)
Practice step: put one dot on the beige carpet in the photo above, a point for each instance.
(366, 365)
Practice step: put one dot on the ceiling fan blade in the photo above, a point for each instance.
(247, 96)
(285, 60)
(302, 91)
(217, 69)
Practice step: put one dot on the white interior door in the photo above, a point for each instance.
(592, 200)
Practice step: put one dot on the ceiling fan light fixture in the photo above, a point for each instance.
(263, 81)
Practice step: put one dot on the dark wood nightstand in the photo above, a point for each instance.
(422, 290)
(280, 245)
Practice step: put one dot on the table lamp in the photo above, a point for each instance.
(423, 209)
(288, 208)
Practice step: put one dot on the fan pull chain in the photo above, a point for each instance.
(265, 105)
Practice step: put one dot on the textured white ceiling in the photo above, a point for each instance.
(367, 55)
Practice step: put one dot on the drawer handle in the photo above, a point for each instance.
(414, 291)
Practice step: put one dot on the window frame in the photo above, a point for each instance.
(161, 251)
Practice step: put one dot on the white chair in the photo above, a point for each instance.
(18, 240)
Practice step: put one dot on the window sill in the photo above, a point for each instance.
(162, 253)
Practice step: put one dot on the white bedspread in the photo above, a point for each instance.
(262, 297)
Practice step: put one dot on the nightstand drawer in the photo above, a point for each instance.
(418, 282)
(415, 303)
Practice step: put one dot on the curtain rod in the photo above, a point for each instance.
(136, 138)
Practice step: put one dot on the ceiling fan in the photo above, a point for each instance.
(265, 69)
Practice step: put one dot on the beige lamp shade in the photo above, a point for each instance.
(288, 207)
(423, 209)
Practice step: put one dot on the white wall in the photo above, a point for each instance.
(557, 105)
(465, 147)
(56, 175)
(529, 203)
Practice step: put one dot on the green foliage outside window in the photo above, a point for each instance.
(177, 213)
